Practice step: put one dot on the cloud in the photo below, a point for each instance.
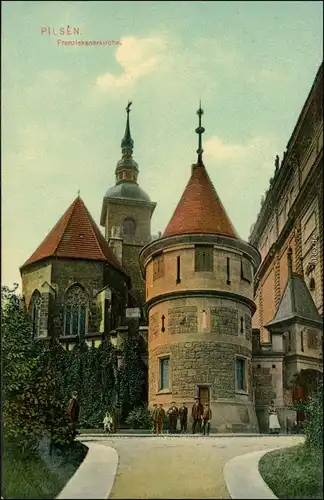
(138, 57)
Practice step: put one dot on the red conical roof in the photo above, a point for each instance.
(200, 209)
(75, 236)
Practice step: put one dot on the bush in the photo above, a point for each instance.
(314, 420)
(140, 418)
(31, 407)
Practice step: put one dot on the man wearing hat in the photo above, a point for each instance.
(183, 416)
(73, 412)
(196, 415)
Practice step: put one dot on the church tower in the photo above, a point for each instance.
(126, 215)
(199, 297)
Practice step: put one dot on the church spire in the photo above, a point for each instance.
(127, 143)
(127, 168)
(200, 130)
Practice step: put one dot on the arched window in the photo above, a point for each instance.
(76, 303)
(129, 227)
(35, 308)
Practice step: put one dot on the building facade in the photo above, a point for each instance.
(288, 286)
(291, 215)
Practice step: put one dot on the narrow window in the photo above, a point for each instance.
(178, 269)
(164, 373)
(163, 327)
(302, 340)
(240, 374)
(228, 271)
(67, 320)
(242, 325)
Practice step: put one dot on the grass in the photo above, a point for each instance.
(295, 472)
(31, 476)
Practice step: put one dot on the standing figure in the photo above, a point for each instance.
(274, 426)
(183, 415)
(153, 418)
(196, 415)
(206, 418)
(159, 417)
(173, 418)
(73, 411)
(108, 423)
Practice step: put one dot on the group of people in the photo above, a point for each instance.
(201, 417)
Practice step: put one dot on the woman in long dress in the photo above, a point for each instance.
(274, 426)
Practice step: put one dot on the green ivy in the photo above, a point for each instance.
(39, 378)
(131, 375)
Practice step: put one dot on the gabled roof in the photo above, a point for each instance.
(296, 304)
(200, 210)
(75, 236)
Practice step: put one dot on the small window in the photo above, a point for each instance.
(246, 271)
(258, 367)
(228, 272)
(273, 366)
(241, 325)
(158, 267)
(164, 373)
(240, 374)
(36, 313)
(129, 227)
(178, 269)
(312, 284)
(204, 258)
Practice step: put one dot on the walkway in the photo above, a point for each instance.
(186, 467)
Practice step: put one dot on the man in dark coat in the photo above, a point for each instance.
(196, 415)
(183, 415)
(207, 416)
(154, 418)
(173, 418)
(159, 417)
(73, 412)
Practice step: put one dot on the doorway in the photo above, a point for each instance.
(203, 394)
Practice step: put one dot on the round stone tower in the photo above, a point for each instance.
(199, 296)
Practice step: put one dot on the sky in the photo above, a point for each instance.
(252, 65)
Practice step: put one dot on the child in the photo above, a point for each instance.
(108, 423)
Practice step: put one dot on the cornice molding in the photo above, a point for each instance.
(218, 294)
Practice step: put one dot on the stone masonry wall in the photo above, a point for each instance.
(199, 363)
(132, 267)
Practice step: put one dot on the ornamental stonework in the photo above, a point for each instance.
(183, 320)
(248, 327)
(76, 297)
(154, 324)
(224, 320)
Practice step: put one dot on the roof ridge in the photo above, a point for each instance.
(68, 213)
(92, 226)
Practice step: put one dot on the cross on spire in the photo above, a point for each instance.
(200, 130)
(78, 193)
